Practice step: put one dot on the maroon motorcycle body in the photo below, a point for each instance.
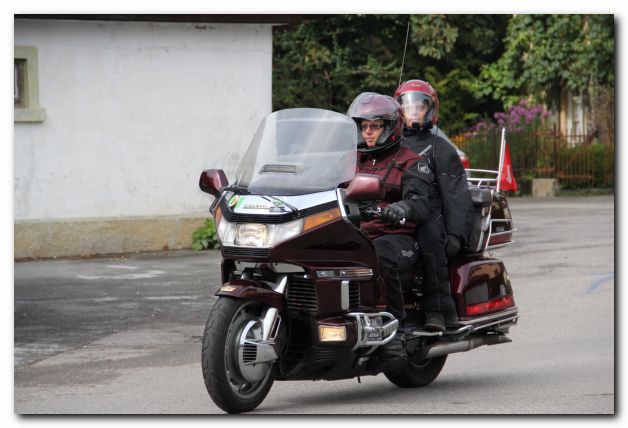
(302, 297)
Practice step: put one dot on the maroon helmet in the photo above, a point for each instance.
(413, 93)
(373, 106)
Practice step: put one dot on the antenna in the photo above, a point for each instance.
(403, 60)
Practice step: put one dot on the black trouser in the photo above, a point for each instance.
(432, 238)
(395, 253)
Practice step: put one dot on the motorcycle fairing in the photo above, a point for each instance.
(252, 290)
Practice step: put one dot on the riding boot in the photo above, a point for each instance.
(434, 321)
(451, 320)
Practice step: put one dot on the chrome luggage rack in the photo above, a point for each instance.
(489, 181)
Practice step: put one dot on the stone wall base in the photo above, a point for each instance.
(544, 187)
(90, 237)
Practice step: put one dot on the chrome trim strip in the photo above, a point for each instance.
(499, 323)
(355, 274)
(467, 329)
(422, 333)
(495, 247)
(507, 232)
(281, 284)
(497, 317)
(272, 319)
(490, 231)
(344, 295)
(489, 171)
(341, 204)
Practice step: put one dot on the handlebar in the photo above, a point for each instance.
(378, 213)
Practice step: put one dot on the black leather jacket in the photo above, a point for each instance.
(449, 193)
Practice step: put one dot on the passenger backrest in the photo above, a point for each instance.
(482, 200)
(492, 223)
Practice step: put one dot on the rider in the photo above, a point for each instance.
(451, 209)
(380, 122)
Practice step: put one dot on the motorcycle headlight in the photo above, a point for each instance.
(250, 235)
(261, 235)
(257, 234)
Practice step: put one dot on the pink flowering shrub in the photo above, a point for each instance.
(518, 118)
(522, 116)
(523, 122)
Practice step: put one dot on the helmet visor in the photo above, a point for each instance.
(372, 106)
(415, 106)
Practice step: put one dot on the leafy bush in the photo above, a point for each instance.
(205, 237)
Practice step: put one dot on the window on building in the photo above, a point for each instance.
(26, 85)
(18, 88)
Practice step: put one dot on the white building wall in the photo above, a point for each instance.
(134, 112)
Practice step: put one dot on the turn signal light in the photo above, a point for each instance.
(493, 305)
(318, 219)
(217, 216)
(327, 333)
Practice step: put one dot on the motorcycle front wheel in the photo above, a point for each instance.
(416, 374)
(234, 387)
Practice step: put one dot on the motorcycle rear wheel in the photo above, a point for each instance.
(417, 374)
(228, 388)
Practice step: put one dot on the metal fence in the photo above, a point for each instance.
(575, 160)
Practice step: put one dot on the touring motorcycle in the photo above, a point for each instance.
(301, 295)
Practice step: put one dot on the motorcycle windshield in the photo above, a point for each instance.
(299, 151)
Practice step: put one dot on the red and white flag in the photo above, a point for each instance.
(507, 180)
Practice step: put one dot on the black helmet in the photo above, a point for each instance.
(373, 106)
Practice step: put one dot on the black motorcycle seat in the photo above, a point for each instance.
(481, 196)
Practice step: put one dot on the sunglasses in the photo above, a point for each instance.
(372, 127)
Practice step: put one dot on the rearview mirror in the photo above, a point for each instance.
(212, 181)
(365, 187)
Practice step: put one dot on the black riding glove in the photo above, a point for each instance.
(366, 209)
(453, 245)
(395, 213)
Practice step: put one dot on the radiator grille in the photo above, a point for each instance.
(301, 294)
(324, 355)
(239, 252)
(354, 295)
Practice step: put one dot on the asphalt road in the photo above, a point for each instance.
(122, 335)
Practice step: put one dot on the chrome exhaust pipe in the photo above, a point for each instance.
(440, 349)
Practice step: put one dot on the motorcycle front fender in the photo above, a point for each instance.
(252, 290)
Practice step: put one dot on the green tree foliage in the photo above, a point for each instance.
(479, 64)
(327, 61)
(450, 50)
(546, 52)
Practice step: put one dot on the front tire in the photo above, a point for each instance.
(225, 379)
(417, 374)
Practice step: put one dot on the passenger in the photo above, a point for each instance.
(380, 123)
(448, 228)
